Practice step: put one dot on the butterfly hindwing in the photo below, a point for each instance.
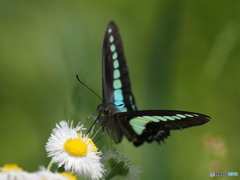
(116, 83)
(150, 125)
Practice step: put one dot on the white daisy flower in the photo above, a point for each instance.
(14, 172)
(75, 151)
(120, 165)
(48, 175)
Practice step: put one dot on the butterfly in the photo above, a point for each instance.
(118, 113)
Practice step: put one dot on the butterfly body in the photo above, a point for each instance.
(107, 120)
(118, 113)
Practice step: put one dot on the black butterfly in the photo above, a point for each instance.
(118, 112)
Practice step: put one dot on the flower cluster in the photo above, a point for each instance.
(75, 152)
(13, 171)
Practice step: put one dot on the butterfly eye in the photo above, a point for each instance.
(106, 110)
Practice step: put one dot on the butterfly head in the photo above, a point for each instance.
(106, 109)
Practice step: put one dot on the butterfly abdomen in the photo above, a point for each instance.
(108, 122)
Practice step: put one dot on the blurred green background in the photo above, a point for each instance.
(182, 55)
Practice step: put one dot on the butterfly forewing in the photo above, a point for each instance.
(150, 125)
(116, 83)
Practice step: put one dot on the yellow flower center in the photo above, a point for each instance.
(8, 167)
(93, 146)
(76, 147)
(69, 175)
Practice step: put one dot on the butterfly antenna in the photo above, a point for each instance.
(88, 88)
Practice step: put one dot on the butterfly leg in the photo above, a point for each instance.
(90, 130)
(101, 128)
(91, 116)
(100, 135)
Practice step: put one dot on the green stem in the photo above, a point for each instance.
(50, 165)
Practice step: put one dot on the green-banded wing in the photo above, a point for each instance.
(150, 125)
(115, 78)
